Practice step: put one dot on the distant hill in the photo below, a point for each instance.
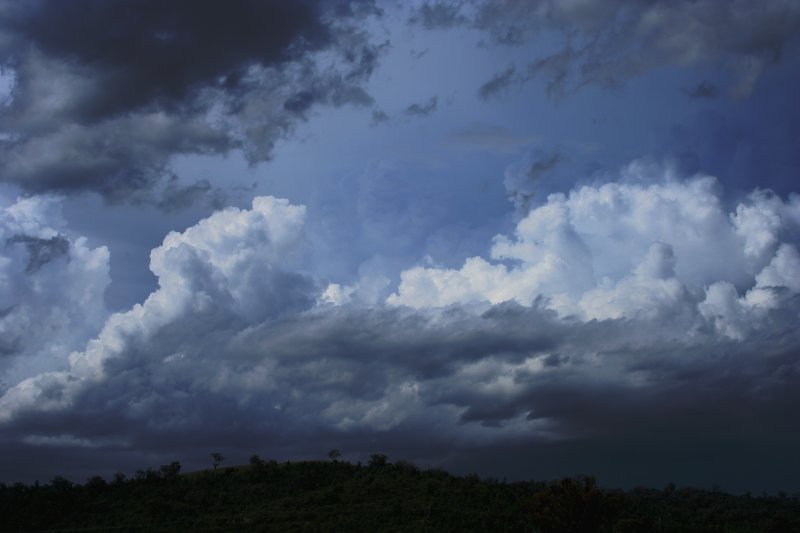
(339, 496)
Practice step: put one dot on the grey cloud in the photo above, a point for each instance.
(521, 182)
(434, 386)
(703, 90)
(607, 42)
(153, 51)
(119, 158)
(541, 166)
(9, 346)
(176, 197)
(423, 109)
(427, 384)
(557, 70)
(507, 22)
(498, 84)
(41, 251)
(439, 14)
(106, 92)
(51, 297)
(237, 351)
(379, 117)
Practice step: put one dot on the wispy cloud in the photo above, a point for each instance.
(423, 109)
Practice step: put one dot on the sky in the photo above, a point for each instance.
(526, 239)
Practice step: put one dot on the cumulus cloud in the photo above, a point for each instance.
(51, 289)
(647, 244)
(104, 94)
(228, 269)
(640, 315)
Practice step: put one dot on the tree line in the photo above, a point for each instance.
(380, 495)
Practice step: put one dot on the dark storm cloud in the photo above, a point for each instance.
(423, 109)
(151, 51)
(106, 92)
(41, 251)
(335, 377)
(498, 84)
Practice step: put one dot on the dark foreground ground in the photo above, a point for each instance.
(337, 496)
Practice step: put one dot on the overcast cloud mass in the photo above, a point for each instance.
(524, 239)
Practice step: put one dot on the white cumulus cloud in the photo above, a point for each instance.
(51, 289)
(230, 267)
(651, 244)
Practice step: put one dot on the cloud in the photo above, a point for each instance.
(639, 315)
(176, 197)
(521, 181)
(438, 15)
(498, 84)
(379, 117)
(607, 43)
(105, 94)
(227, 270)
(41, 251)
(622, 249)
(422, 109)
(51, 289)
(703, 90)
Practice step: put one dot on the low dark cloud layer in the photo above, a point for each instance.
(105, 93)
(437, 388)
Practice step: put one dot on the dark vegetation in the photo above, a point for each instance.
(381, 496)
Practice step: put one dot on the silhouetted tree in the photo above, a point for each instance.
(61, 484)
(95, 483)
(334, 454)
(378, 459)
(216, 459)
(571, 505)
(171, 470)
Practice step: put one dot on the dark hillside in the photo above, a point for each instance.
(339, 496)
